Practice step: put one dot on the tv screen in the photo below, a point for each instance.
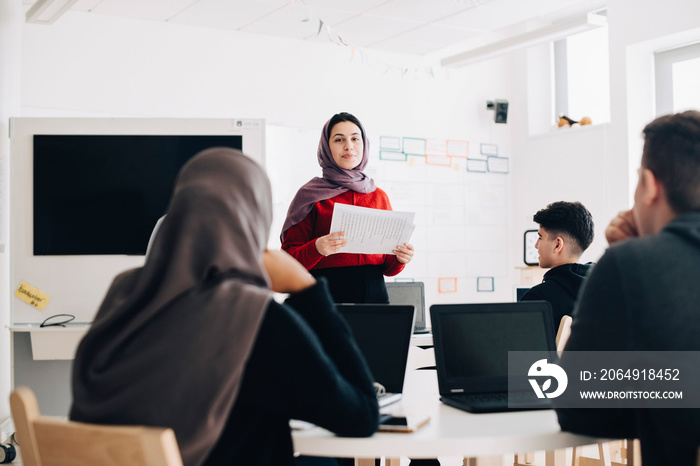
(102, 194)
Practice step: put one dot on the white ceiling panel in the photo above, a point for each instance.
(484, 18)
(84, 5)
(153, 9)
(285, 22)
(333, 17)
(406, 26)
(425, 39)
(354, 6)
(533, 9)
(418, 10)
(367, 29)
(227, 14)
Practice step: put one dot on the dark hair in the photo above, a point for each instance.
(344, 116)
(672, 153)
(570, 219)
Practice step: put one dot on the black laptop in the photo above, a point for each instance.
(383, 334)
(412, 293)
(471, 352)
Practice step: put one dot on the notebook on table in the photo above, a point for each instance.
(411, 293)
(471, 352)
(383, 334)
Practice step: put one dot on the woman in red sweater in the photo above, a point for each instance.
(343, 153)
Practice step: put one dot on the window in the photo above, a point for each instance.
(582, 76)
(677, 77)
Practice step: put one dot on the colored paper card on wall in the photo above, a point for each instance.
(390, 143)
(441, 160)
(489, 149)
(458, 148)
(484, 284)
(447, 285)
(392, 155)
(32, 296)
(414, 146)
(479, 166)
(436, 147)
(498, 164)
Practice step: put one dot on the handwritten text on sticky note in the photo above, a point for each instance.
(32, 296)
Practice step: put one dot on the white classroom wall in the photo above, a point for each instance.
(594, 165)
(88, 65)
(92, 65)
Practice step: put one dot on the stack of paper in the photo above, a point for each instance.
(372, 231)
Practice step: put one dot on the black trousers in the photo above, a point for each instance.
(355, 284)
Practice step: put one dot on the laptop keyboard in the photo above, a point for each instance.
(494, 397)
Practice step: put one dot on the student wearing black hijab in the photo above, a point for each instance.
(194, 341)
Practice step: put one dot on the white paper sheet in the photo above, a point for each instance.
(372, 231)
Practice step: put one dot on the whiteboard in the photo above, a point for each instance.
(77, 284)
(461, 236)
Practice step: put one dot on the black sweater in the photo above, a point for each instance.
(304, 365)
(559, 288)
(643, 295)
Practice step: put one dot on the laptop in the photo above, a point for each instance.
(383, 334)
(412, 293)
(520, 291)
(471, 352)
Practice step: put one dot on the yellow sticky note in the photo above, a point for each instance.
(32, 296)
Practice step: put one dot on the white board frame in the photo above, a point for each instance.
(77, 284)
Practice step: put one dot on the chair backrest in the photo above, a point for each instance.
(45, 441)
(563, 333)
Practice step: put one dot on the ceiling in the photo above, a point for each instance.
(416, 27)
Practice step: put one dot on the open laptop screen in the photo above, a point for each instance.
(472, 340)
(412, 293)
(383, 334)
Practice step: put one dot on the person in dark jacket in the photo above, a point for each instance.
(194, 340)
(565, 232)
(643, 294)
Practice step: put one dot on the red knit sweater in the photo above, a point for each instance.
(300, 239)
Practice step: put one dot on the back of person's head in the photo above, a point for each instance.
(219, 216)
(344, 116)
(569, 219)
(672, 153)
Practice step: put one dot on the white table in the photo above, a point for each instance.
(450, 432)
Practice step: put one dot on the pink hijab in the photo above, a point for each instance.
(335, 180)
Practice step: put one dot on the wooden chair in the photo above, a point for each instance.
(563, 333)
(46, 441)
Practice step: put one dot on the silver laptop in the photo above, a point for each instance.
(412, 293)
(471, 352)
(383, 334)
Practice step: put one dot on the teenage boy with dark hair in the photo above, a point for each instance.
(643, 294)
(566, 230)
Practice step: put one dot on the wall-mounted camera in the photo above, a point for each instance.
(500, 108)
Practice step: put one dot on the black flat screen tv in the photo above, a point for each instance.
(102, 194)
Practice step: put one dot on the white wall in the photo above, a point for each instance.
(92, 65)
(10, 36)
(594, 165)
